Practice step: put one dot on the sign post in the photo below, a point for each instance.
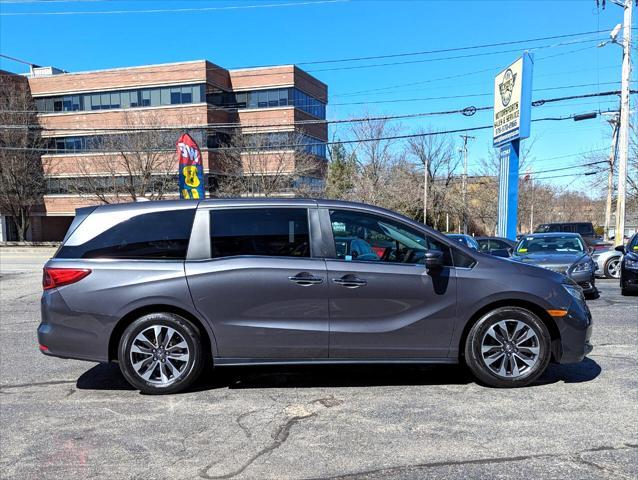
(512, 118)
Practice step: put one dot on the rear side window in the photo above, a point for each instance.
(157, 235)
(274, 232)
(585, 229)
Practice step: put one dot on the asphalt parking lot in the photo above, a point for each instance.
(71, 419)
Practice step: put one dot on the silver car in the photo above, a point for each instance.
(608, 262)
(166, 288)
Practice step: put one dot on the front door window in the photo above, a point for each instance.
(363, 237)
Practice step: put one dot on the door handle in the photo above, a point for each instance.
(350, 281)
(305, 279)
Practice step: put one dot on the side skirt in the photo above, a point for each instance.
(223, 362)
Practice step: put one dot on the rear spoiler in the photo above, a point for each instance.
(80, 216)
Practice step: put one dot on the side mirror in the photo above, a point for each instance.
(433, 260)
(500, 252)
(590, 250)
(620, 248)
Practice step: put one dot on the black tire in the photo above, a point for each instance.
(474, 358)
(190, 370)
(607, 265)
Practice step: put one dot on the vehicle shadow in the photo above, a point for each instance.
(109, 377)
(585, 371)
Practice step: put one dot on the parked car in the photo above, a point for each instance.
(499, 246)
(629, 266)
(565, 253)
(607, 263)
(466, 240)
(164, 288)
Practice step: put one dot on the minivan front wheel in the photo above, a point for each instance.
(508, 347)
(160, 353)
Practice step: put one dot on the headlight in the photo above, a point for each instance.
(582, 267)
(633, 264)
(575, 291)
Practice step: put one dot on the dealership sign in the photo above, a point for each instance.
(513, 101)
(512, 117)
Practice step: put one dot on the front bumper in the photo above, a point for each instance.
(575, 330)
(586, 281)
(629, 278)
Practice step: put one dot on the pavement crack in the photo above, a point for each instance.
(36, 384)
(279, 438)
(244, 428)
(385, 472)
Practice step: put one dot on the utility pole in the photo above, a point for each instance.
(425, 190)
(610, 176)
(623, 132)
(531, 213)
(464, 180)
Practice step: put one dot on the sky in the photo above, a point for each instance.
(236, 34)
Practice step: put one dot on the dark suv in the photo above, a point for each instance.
(584, 229)
(167, 287)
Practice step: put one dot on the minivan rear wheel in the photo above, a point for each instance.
(160, 353)
(508, 347)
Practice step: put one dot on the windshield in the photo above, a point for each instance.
(553, 244)
(633, 244)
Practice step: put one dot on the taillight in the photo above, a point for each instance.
(56, 277)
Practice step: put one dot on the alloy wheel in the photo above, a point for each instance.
(510, 348)
(613, 267)
(159, 354)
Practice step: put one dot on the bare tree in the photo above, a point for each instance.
(268, 165)
(375, 160)
(137, 162)
(437, 153)
(22, 181)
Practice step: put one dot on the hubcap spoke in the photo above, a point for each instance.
(147, 374)
(168, 335)
(494, 357)
(141, 350)
(492, 333)
(504, 332)
(526, 361)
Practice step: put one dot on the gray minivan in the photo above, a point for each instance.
(165, 288)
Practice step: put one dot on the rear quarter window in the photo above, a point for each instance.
(158, 235)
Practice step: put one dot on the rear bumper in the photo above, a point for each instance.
(68, 334)
(575, 333)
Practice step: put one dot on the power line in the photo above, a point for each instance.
(117, 71)
(467, 111)
(336, 142)
(455, 57)
(454, 49)
(173, 10)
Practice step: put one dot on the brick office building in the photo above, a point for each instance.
(78, 111)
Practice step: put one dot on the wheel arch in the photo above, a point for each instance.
(209, 342)
(536, 309)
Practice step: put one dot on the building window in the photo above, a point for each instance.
(286, 141)
(277, 97)
(88, 143)
(144, 97)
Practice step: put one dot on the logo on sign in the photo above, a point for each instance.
(506, 87)
(188, 152)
